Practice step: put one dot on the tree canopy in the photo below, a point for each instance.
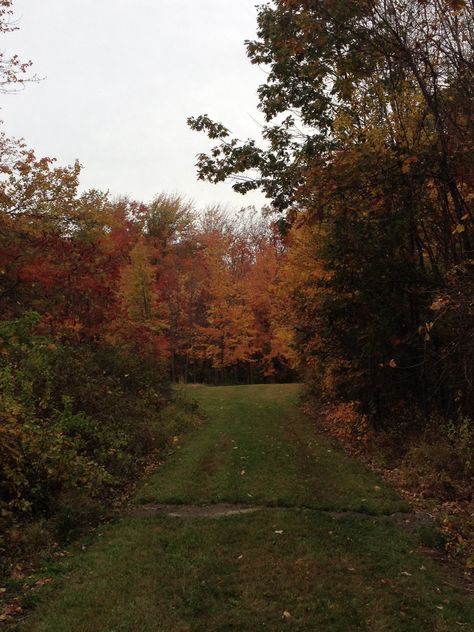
(368, 138)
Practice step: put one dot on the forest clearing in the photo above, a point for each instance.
(216, 416)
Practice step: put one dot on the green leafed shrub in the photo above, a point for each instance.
(75, 423)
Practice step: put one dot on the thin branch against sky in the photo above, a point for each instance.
(120, 79)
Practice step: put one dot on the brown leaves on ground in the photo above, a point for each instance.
(10, 610)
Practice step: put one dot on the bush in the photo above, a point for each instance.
(76, 422)
(347, 424)
(442, 459)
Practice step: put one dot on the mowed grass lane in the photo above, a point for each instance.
(289, 566)
(256, 448)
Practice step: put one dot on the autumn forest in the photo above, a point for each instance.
(357, 278)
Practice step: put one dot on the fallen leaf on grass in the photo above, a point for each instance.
(43, 582)
(17, 573)
(10, 610)
(286, 615)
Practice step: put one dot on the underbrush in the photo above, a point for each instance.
(437, 468)
(429, 460)
(442, 458)
(77, 424)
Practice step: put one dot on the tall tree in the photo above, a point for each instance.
(13, 71)
(369, 131)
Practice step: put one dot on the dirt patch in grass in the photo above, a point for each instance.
(410, 522)
(217, 510)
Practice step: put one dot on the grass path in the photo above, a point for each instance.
(322, 553)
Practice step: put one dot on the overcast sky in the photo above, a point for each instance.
(120, 79)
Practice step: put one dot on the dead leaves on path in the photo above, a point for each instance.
(14, 608)
(10, 610)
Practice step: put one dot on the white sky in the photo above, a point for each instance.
(122, 76)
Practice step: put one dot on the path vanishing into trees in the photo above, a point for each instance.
(256, 522)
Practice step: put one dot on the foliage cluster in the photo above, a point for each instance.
(442, 459)
(76, 423)
(221, 300)
(348, 424)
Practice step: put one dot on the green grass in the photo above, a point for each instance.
(164, 574)
(257, 448)
(335, 572)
